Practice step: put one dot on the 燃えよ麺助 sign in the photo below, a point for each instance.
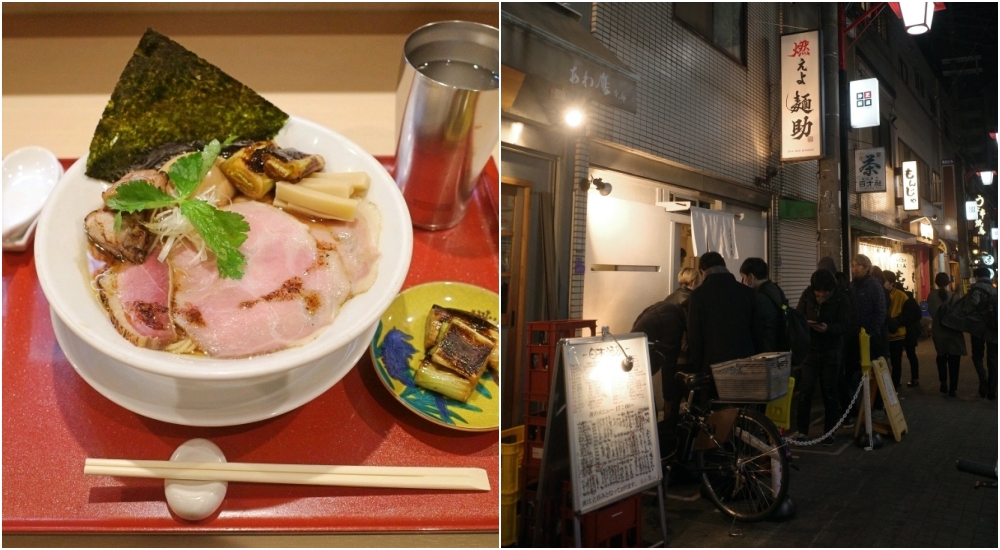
(802, 107)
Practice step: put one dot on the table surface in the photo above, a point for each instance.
(53, 420)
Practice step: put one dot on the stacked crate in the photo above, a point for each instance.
(617, 525)
(543, 336)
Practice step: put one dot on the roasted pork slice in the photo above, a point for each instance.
(357, 244)
(129, 243)
(137, 298)
(153, 177)
(438, 319)
(289, 290)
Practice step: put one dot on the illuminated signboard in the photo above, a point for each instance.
(801, 99)
(864, 103)
(869, 170)
(970, 210)
(911, 189)
(927, 231)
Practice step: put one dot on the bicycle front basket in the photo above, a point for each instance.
(758, 379)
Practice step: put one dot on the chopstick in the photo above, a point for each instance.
(396, 477)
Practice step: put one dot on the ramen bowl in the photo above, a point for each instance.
(62, 264)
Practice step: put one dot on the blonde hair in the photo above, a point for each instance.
(687, 277)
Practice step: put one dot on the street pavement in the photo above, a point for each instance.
(906, 494)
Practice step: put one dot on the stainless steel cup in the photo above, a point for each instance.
(447, 116)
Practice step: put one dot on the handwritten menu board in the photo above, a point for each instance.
(614, 450)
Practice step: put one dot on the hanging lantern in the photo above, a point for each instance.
(987, 177)
(917, 16)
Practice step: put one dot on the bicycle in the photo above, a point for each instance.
(736, 451)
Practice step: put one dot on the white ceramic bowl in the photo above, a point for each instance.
(61, 263)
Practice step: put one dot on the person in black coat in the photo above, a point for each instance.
(723, 319)
(828, 311)
(665, 326)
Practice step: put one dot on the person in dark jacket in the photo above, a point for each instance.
(770, 299)
(828, 312)
(983, 303)
(665, 326)
(723, 321)
(869, 297)
(949, 344)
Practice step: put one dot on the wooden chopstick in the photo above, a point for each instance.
(398, 477)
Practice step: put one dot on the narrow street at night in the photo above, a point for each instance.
(906, 494)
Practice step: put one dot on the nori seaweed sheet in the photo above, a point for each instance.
(168, 94)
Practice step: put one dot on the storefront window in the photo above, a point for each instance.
(721, 23)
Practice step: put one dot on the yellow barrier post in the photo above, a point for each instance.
(864, 343)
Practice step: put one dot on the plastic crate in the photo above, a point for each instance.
(780, 410)
(510, 519)
(756, 379)
(511, 456)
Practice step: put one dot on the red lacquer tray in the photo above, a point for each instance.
(53, 420)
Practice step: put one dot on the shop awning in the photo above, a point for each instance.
(876, 229)
(547, 41)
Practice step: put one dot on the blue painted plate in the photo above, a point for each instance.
(397, 350)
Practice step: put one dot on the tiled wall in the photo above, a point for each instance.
(689, 90)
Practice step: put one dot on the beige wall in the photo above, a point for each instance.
(334, 63)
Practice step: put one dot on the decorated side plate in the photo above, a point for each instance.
(397, 350)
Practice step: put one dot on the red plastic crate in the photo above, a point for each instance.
(618, 525)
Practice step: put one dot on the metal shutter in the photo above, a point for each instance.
(796, 250)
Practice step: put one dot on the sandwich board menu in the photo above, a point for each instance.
(601, 431)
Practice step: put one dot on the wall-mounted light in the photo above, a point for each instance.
(573, 117)
(987, 177)
(603, 187)
(947, 227)
(917, 16)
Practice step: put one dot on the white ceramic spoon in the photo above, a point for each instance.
(28, 176)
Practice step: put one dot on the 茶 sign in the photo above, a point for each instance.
(869, 170)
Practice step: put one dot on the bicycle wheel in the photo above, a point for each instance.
(747, 477)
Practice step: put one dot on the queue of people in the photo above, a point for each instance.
(712, 317)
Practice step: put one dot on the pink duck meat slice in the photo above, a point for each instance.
(137, 298)
(289, 290)
(356, 243)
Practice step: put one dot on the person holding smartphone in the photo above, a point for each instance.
(828, 311)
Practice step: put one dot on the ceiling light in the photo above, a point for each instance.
(574, 117)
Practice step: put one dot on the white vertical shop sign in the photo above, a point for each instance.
(864, 103)
(911, 188)
(802, 105)
(869, 170)
(971, 210)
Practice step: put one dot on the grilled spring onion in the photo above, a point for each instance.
(454, 365)
(440, 316)
(444, 381)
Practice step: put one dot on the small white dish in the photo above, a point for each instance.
(29, 175)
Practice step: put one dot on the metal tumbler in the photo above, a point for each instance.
(447, 115)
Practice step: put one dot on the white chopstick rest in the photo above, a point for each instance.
(195, 500)
(198, 467)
